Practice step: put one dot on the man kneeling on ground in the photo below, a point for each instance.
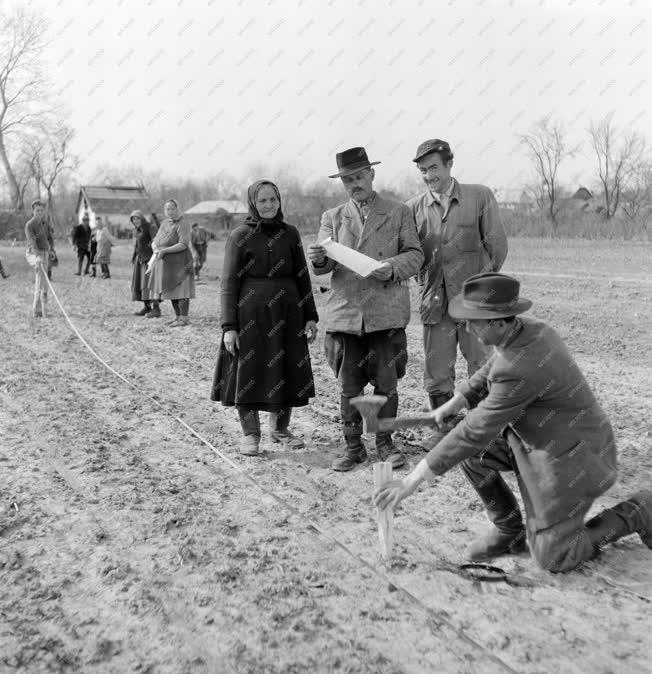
(531, 412)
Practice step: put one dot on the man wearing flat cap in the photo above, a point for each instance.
(366, 317)
(461, 234)
(531, 412)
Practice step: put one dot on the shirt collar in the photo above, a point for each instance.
(448, 193)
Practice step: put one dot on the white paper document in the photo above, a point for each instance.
(358, 262)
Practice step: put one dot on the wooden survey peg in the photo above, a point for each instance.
(383, 473)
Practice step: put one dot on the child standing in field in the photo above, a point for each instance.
(104, 245)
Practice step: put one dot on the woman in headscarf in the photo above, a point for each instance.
(171, 266)
(140, 292)
(268, 320)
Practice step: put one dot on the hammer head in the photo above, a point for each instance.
(369, 407)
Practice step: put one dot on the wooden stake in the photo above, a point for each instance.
(383, 473)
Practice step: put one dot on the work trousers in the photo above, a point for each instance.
(83, 254)
(440, 342)
(558, 548)
(39, 261)
(376, 358)
(201, 249)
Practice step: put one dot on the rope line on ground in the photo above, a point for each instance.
(436, 617)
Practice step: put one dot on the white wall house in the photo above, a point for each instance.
(114, 204)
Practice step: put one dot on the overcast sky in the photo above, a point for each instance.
(193, 87)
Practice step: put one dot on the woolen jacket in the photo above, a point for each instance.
(389, 234)
(533, 392)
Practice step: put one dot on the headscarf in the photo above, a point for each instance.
(138, 214)
(254, 219)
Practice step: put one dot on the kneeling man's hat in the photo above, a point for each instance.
(489, 295)
(351, 161)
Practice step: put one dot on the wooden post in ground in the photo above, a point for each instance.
(383, 473)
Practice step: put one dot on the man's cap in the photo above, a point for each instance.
(433, 145)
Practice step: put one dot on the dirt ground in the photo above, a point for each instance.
(126, 545)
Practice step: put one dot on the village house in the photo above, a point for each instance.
(217, 216)
(114, 203)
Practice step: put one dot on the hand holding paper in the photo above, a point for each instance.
(352, 259)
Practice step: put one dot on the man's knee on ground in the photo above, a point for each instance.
(558, 556)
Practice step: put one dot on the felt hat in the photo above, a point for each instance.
(351, 161)
(489, 295)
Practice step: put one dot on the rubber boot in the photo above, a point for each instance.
(508, 535)
(2, 271)
(80, 261)
(355, 453)
(633, 516)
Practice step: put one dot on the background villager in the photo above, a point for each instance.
(171, 276)
(268, 319)
(81, 243)
(366, 317)
(200, 244)
(104, 245)
(543, 423)
(461, 234)
(39, 246)
(140, 292)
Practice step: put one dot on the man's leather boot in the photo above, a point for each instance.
(633, 516)
(355, 454)
(508, 535)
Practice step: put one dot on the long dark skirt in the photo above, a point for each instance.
(272, 368)
(139, 290)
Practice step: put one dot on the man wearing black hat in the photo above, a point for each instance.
(366, 317)
(461, 235)
(531, 412)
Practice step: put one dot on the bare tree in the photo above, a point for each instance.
(22, 83)
(51, 156)
(617, 160)
(547, 147)
(636, 198)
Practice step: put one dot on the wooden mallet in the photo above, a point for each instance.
(370, 406)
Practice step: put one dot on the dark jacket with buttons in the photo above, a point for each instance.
(388, 235)
(469, 240)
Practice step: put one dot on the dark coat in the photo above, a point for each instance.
(267, 297)
(533, 392)
(81, 236)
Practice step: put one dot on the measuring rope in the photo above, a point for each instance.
(437, 616)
